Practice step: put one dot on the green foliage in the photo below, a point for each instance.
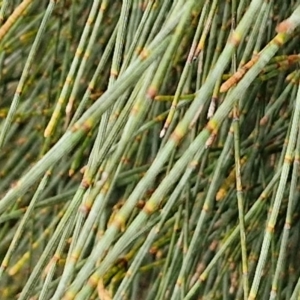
(149, 149)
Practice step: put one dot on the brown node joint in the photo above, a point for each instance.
(125, 160)
(239, 189)
(285, 26)
(221, 194)
(179, 282)
(75, 127)
(273, 293)
(213, 246)
(264, 196)
(270, 228)
(205, 208)
(288, 159)
(202, 277)
(83, 169)
(103, 7)
(90, 21)
(86, 183)
(140, 204)
(85, 208)
(151, 93)
(87, 125)
(93, 280)
(134, 110)
(118, 222)
(231, 130)
(91, 88)
(71, 172)
(74, 256)
(86, 55)
(69, 80)
(191, 54)
(194, 163)
(69, 296)
(279, 39)
(149, 208)
(235, 38)
(144, 54)
(128, 274)
(138, 50)
(115, 116)
(153, 250)
(49, 172)
(263, 121)
(210, 140)
(15, 184)
(105, 188)
(252, 297)
(56, 257)
(212, 126)
(114, 73)
(214, 99)
(138, 138)
(19, 91)
(177, 135)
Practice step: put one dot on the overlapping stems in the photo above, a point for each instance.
(146, 140)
